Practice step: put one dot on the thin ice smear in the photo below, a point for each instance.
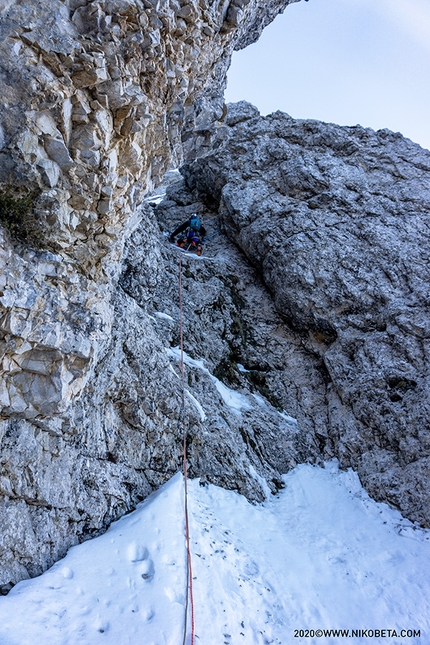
(291, 421)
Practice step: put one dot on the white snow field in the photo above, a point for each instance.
(320, 555)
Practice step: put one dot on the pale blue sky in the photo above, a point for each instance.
(343, 61)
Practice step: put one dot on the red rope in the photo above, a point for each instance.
(187, 530)
(187, 535)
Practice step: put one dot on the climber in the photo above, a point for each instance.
(191, 234)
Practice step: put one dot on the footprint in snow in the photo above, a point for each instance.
(137, 552)
(251, 568)
(174, 596)
(67, 573)
(146, 569)
(148, 614)
(101, 625)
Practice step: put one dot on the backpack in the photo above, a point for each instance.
(195, 223)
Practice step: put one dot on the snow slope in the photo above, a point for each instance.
(320, 555)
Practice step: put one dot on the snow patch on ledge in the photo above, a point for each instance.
(197, 404)
(235, 400)
(160, 314)
(263, 404)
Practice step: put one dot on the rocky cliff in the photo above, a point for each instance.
(98, 100)
(305, 320)
(336, 222)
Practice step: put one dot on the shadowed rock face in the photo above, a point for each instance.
(66, 476)
(98, 100)
(336, 219)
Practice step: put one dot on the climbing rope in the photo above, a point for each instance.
(189, 590)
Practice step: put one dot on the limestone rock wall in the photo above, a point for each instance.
(336, 220)
(98, 100)
(249, 382)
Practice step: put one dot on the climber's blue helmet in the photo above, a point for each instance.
(195, 222)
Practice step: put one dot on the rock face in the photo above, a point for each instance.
(249, 384)
(100, 97)
(336, 220)
(98, 100)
